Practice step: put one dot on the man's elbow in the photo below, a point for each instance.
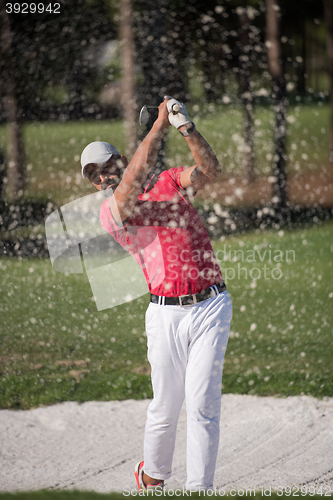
(215, 171)
(207, 174)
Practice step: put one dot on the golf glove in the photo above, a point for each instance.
(179, 118)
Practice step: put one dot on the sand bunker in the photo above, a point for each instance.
(265, 443)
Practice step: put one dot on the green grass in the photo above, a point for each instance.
(280, 341)
(60, 495)
(53, 149)
(281, 333)
(50, 318)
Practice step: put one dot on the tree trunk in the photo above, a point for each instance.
(130, 112)
(279, 194)
(328, 6)
(246, 94)
(15, 162)
(303, 66)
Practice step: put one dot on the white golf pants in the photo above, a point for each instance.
(186, 347)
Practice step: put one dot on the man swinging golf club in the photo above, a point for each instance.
(188, 318)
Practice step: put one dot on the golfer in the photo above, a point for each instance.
(188, 318)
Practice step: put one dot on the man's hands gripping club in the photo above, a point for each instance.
(178, 114)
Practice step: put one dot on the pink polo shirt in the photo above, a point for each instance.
(167, 238)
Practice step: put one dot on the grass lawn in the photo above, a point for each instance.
(281, 286)
(55, 346)
(53, 149)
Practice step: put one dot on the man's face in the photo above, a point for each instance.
(106, 175)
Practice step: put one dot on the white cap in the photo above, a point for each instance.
(97, 152)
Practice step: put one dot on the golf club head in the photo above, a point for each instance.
(144, 116)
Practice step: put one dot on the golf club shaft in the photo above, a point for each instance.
(175, 108)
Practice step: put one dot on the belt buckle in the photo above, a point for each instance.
(181, 297)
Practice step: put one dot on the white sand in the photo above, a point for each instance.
(265, 442)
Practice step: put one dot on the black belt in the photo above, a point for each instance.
(188, 300)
